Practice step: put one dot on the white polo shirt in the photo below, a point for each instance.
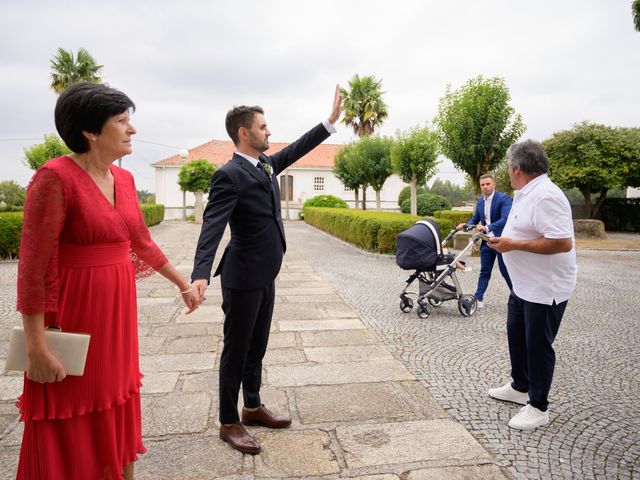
(541, 209)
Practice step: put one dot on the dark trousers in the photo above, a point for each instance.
(247, 320)
(487, 259)
(531, 330)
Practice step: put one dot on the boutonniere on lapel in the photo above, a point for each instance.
(267, 169)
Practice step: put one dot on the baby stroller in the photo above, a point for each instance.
(419, 248)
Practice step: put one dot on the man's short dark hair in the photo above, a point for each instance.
(487, 175)
(241, 116)
(529, 155)
(86, 107)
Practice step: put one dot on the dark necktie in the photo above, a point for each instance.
(261, 168)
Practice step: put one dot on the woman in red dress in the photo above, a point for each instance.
(84, 241)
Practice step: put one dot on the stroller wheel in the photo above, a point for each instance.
(434, 303)
(424, 310)
(406, 304)
(467, 305)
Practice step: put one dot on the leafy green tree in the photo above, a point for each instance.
(346, 170)
(363, 106)
(195, 177)
(477, 125)
(67, 69)
(12, 194)
(373, 153)
(635, 9)
(52, 147)
(414, 156)
(595, 159)
(501, 176)
(455, 194)
(146, 197)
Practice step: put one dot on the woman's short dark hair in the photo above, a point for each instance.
(86, 107)
(241, 116)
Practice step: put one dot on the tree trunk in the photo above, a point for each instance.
(355, 192)
(599, 202)
(586, 192)
(199, 207)
(378, 200)
(184, 205)
(364, 197)
(414, 197)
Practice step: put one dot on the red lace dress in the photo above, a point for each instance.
(75, 265)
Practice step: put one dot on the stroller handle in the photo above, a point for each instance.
(466, 228)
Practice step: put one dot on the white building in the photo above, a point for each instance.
(310, 176)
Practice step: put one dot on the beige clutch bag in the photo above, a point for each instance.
(70, 348)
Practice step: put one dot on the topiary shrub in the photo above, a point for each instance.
(371, 230)
(427, 204)
(325, 201)
(153, 214)
(406, 193)
(10, 233)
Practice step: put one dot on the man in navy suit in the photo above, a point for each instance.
(490, 216)
(245, 194)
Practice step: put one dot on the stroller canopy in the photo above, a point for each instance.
(419, 247)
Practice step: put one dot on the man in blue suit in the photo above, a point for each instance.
(490, 216)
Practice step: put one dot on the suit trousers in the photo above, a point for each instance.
(531, 330)
(247, 321)
(487, 259)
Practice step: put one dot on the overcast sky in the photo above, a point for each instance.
(186, 63)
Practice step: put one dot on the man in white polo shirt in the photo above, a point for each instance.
(538, 249)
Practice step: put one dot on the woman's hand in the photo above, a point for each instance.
(191, 298)
(43, 367)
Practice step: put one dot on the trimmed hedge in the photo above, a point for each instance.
(370, 230)
(10, 233)
(455, 216)
(153, 214)
(621, 214)
(11, 228)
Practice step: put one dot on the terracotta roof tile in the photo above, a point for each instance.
(219, 152)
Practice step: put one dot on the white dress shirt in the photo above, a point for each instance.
(540, 209)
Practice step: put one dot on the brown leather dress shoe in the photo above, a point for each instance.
(236, 436)
(263, 416)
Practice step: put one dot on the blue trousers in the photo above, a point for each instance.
(531, 330)
(487, 259)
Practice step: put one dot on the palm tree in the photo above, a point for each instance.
(363, 106)
(65, 69)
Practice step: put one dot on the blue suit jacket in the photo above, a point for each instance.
(500, 208)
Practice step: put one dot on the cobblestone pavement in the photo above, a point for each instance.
(595, 397)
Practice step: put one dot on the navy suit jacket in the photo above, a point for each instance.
(246, 199)
(500, 208)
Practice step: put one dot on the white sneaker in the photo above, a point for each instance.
(509, 394)
(480, 303)
(528, 418)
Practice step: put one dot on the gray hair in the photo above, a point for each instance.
(529, 156)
